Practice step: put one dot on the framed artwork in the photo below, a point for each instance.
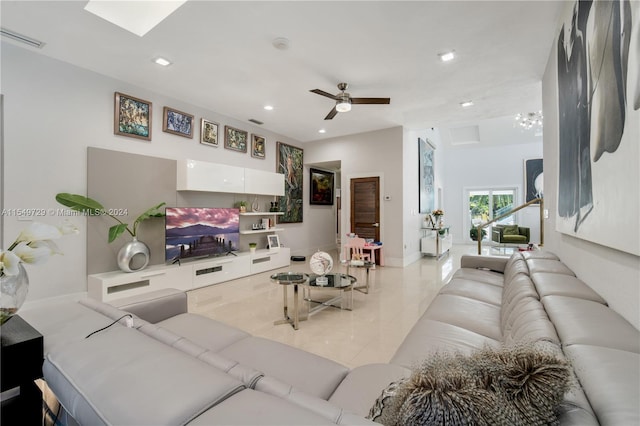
(132, 117)
(235, 139)
(273, 242)
(208, 132)
(321, 187)
(426, 176)
(533, 179)
(177, 122)
(258, 146)
(289, 162)
(597, 186)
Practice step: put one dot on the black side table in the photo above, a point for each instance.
(20, 364)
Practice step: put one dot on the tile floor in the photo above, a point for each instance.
(369, 333)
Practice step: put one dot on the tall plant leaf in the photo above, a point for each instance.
(80, 203)
(116, 230)
(152, 212)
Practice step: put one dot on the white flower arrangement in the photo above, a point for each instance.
(34, 245)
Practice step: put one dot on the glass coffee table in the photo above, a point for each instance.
(341, 282)
(286, 279)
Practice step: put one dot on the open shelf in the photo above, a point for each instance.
(260, 231)
(261, 213)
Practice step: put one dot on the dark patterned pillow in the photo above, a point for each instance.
(384, 409)
(520, 384)
(533, 380)
(441, 391)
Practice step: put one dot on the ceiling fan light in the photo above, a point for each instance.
(343, 106)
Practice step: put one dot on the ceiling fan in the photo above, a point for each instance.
(344, 100)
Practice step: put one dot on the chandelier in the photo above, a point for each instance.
(530, 120)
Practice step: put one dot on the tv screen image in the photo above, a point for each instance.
(194, 232)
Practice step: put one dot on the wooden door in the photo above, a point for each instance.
(365, 207)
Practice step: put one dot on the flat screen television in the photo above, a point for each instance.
(199, 232)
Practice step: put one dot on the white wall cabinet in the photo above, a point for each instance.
(263, 183)
(194, 175)
(114, 285)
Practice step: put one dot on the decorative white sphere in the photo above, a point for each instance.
(320, 263)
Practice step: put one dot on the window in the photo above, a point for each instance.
(486, 204)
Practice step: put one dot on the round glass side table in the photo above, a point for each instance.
(285, 279)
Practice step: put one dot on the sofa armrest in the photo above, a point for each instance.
(523, 230)
(493, 263)
(155, 306)
(496, 234)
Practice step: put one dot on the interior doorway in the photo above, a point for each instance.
(365, 207)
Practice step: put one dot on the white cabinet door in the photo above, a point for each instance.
(263, 183)
(193, 175)
(116, 285)
(266, 260)
(219, 270)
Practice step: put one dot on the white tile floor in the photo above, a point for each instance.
(370, 333)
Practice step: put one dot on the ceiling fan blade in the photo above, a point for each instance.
(331, 114)
(370, 101)
(323, 93)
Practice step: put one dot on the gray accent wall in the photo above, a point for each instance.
(126, 183)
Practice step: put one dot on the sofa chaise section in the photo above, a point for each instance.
(93, 380)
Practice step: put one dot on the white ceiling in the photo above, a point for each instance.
(224, 60)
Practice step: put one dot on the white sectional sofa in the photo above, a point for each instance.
(171, 367)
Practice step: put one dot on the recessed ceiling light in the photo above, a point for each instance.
(322, 131)
(162, 61)
(466, 104)
(447, 56)
(268, 107)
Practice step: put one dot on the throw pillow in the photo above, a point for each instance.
(442, 391)
(521, 384)
(510, 230)
(384, 410)
(531, 379)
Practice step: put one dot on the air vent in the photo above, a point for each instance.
(21, 38)
(258, 122)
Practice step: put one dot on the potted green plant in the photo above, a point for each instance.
(242, 205)
(252, 247)
(473, 233)
(134, 248)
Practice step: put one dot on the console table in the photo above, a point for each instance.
(22, 357)
(435, 241)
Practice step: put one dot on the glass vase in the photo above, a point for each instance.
(13, 293)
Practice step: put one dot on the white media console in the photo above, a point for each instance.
(191, 177)
(189, 275)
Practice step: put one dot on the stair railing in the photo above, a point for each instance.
(509, 213)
